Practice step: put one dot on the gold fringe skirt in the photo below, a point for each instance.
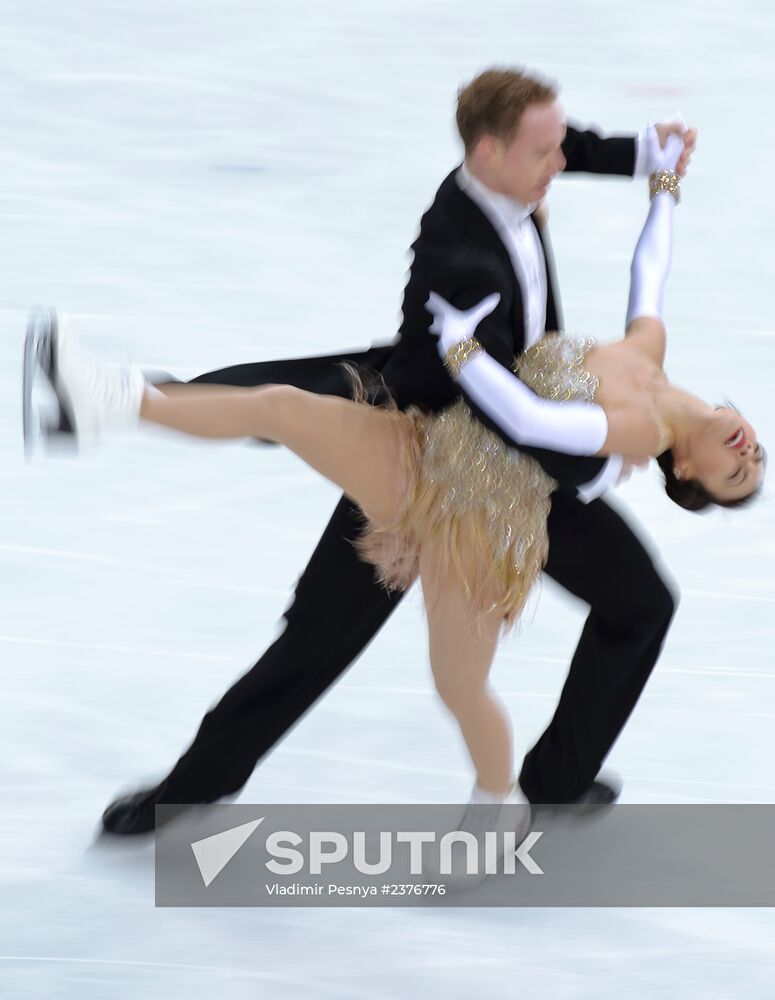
(485, 505)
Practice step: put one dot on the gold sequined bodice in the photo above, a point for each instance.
(554, 368)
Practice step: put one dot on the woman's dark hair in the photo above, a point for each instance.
(690, 493)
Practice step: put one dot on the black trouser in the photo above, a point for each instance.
(594, 554)
(338, 608)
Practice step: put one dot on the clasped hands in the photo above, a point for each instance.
(663, 152)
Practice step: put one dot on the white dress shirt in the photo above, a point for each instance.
(511, 221)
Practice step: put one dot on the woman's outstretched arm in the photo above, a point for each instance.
(651, 260)
(575, 427)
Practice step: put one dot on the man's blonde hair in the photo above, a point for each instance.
(494, 101)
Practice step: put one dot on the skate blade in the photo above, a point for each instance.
(44, 424)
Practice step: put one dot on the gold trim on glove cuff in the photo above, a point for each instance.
(665, 180)
(458, 355)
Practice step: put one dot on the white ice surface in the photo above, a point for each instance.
(201, 184)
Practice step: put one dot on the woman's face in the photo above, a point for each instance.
(725, 456)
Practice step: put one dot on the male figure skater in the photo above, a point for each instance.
(479, 229)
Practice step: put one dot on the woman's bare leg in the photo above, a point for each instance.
(359, 448)
(354, 445)
(462, 647)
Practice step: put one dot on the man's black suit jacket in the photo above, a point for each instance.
(459, 254)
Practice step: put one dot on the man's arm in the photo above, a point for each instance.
(589, 152)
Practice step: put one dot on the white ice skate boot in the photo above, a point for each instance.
(93, 396)
(503, 817)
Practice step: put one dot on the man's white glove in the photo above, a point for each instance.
(630, 465)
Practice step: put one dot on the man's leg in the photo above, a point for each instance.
(337, 609)
(325, 374)
(596, 556)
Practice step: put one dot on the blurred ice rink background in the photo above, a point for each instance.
(203, 184)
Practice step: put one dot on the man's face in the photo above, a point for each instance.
(525, 167)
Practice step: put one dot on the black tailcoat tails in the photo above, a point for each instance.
(338, 606)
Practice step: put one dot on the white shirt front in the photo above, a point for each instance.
(512, 222)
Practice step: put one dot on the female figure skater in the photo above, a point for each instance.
(446, 499)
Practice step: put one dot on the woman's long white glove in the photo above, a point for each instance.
(651, 260)
(574, 427)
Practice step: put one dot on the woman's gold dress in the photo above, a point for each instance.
(484, 502)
